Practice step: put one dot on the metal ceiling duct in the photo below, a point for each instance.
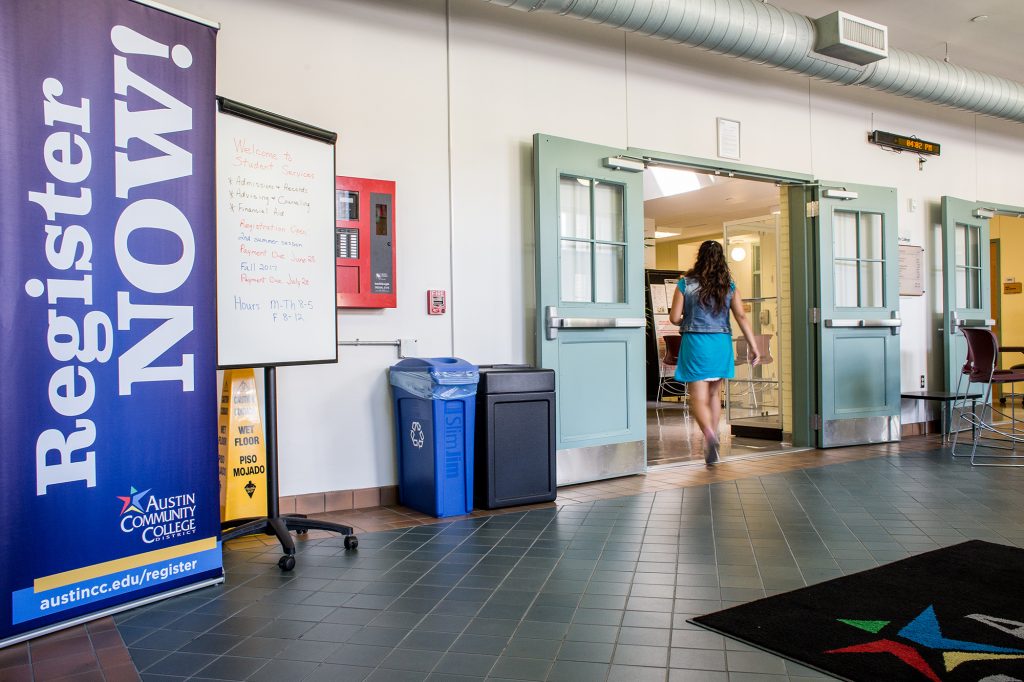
(761, 33)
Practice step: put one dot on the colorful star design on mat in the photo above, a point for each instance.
(924, 631)
(132, 501)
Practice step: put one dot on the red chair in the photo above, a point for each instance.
(982, 367)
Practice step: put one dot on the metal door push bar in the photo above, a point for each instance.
(893, 325)
(554, 322)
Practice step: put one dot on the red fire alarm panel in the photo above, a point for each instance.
(364, 242)
(436, 302)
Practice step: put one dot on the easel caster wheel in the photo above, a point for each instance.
(301, 531)
(286, 563)
(351, 542)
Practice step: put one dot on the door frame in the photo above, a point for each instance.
(803, 277)
(995, 296)
(995, 248)
(803, 375)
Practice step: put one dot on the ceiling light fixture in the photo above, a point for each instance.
(662, 235)
(738, 253)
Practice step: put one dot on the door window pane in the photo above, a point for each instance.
(844, 234)
(974, 266)
(967, 258)
(870, 236)
(871, 285)
(974, 288)
(960, 245)
(845, 283)
(609, 266)
(592, 245)
(574, 207)
(858, 264)
(844, 251)
(968, 287)
(973, 246)
(575, 279)
(608, 220)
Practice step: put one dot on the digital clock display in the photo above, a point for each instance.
(901, 142)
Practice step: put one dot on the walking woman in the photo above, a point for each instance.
(701, 305)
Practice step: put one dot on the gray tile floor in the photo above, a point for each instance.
(585, 592)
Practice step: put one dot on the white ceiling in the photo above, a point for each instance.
(701, 213)
(924, 27)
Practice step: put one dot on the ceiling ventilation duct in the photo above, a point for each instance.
(764, 34)
(851, 39)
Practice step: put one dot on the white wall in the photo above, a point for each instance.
(447, 107)
(375, 73)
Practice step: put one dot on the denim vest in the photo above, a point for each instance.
(701, 319)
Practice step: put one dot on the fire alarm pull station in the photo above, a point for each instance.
(364, 242)
(435, 302)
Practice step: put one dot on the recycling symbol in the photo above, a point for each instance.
(416, 435)
(249, 488)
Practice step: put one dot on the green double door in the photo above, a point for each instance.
(590, 310)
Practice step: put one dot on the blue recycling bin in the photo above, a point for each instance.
(435, 410)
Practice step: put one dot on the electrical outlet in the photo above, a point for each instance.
(922, 381)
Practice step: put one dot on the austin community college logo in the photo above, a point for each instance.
(924, 632)
(157, 519)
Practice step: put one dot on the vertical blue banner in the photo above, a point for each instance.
(108, 450)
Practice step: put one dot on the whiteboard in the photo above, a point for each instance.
(275, 245)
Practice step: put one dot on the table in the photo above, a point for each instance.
(947, 399)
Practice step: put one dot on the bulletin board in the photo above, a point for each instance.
(911, 270)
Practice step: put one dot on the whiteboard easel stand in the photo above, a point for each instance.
(274, 523)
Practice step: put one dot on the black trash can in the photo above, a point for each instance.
(514, 458)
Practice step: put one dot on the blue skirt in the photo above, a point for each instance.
(705, 356)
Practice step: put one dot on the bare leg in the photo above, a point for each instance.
(698, 391)
(701, 397)
(715, 404)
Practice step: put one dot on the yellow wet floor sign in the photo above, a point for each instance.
(242, 453)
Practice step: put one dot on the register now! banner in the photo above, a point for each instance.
(108, 450)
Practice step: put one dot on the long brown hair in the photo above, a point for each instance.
(712, 275)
